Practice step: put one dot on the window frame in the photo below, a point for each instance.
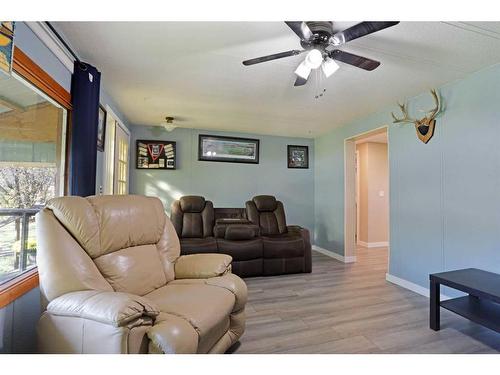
(27, 69)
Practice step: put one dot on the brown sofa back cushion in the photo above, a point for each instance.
(193, 217)
(267, 213)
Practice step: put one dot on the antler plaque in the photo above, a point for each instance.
(424, 126)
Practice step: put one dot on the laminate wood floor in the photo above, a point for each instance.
(351, 308)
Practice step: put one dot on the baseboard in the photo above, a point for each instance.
(373, 244)
(411, 286)
(333, 255)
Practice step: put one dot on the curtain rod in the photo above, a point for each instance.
(61, 39)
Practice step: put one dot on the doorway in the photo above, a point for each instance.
(366, 193)
(122, 155)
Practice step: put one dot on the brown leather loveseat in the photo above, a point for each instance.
(258, 239)
(113, 281)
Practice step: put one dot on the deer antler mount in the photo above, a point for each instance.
(424, 126)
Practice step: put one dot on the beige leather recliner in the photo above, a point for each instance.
(113, 282)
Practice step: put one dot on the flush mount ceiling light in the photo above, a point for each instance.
(168, 124)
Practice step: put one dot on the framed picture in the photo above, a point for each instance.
(298, 156)
(101, 128)
(228, 149)
(155, 155)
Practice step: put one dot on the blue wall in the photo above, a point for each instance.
(444, 196)
(228, 184)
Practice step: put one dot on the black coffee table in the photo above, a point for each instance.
(481, 305)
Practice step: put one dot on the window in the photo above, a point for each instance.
(32, 168)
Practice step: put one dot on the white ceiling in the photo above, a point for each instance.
(193, 70)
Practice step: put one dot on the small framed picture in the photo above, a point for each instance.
(298, 156)
(101, 128)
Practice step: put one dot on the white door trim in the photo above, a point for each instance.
(112, 120)
(350, 217)
(122, 132)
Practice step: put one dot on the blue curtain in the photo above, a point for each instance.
(85, 85)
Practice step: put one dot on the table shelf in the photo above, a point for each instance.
(478, 310)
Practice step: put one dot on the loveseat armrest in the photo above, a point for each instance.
(113, 308)
(237, 232)
(202, 266)
(295, 229)
(306, 237)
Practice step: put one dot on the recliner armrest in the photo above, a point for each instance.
(202, 266)
(113, 308)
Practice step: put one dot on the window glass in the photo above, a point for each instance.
(32, 157)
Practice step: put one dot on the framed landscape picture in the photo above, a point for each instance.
(298, 156)
(228, 149)
(155, 155)
(101, 128)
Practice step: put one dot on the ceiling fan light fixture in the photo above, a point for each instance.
(329, 67)
(303, 70)
(314, 59)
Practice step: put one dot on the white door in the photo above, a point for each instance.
(122, 142)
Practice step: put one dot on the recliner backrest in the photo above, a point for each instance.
(121, 243)
(268, 213)
(193, 217)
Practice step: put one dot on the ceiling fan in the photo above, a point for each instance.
(321, 42)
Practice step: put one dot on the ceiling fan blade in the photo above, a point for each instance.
(359, 30)
(351, 59)
(300, 28)
(275, 56)
(300, 81)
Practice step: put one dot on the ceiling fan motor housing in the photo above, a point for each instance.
(322, 32)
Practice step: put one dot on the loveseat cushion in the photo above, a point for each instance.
(241, 250)
(198, 245)
(283, 246)
(193, 217)
(265, 202)
(268, 214)
(236, 232)
(192, 203)
(207, 308)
